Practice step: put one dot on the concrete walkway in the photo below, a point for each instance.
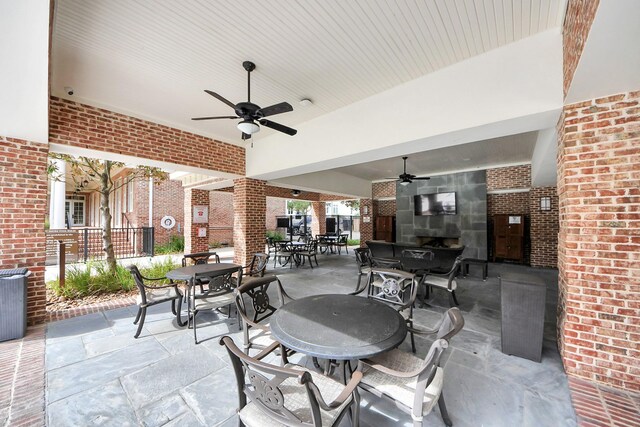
(98, 374)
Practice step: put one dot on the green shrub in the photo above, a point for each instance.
(175, 245)
(353, 242)
(275, 235)
(95, 279)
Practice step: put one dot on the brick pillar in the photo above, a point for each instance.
(318, 218)
(249, 218)
(599, 243)
(23, 185)
(366, 227)
(543, 228)
(193, 243)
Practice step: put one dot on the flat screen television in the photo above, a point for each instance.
(435, 204)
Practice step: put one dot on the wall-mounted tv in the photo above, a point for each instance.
(435, 204)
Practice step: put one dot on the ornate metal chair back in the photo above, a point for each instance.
(262, 383)
(416, 260)
(395, 287)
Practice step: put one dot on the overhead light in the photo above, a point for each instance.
(295, 193)
(249, 127)
(305, 102)
(405, 182)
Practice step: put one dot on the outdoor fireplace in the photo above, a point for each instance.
(438, 241)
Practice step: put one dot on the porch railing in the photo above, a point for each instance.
(86, 243)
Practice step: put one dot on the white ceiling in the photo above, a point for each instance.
(152, 59)
(510, 150)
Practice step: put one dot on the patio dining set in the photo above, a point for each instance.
(351, 338)
(306, 248)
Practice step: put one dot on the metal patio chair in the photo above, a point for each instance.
(149, 294)
(289, 395)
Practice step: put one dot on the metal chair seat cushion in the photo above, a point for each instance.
(158, 295)
(440, 282)
(403, 389)
(297, 401)
(213, 301)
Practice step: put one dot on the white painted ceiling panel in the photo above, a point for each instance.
(334, 52)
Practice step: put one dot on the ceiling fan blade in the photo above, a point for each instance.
(278, 127)
(245, 136)
(272, 110)
(221, 98)
(215, 117)
(421, 177)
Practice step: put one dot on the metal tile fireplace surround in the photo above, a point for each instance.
(468, 225)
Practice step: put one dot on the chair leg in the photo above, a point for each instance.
(413, 340)
(135, 322)
(195, 336)
(179, 313)
(443, 410)
(453, 301)
(142, 314)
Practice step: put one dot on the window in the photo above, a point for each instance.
(74, 208)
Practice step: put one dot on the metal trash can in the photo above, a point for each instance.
(13, 303)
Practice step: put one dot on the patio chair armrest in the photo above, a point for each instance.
(267, 350)
(344, 394)
(385, 370)
(168, 285)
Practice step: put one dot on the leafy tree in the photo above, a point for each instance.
(102, 171)
(354, 205)
(298, 206)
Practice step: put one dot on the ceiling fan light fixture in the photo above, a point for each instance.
(249, 127)
(405, 182)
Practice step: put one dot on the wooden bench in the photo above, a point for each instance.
(466, 262)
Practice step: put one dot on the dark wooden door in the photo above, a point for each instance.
(386, 228)
(508, 237)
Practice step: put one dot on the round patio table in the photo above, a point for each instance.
(338, 327)
(199, 271)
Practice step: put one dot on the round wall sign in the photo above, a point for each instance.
(168, 222)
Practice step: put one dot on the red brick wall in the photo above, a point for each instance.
(193, 243)
(577, 23)
(544, 228)
(386, 207)
(508, 178)
(366, 228)
(599, 241)
(383, 189)
(275, 207)
(249, 206)
(80, 125)
(220, 217)
(318, 218)
(23, 185)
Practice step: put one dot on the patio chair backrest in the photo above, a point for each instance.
(363, 258)
(200, 258)
(264, 383)
(452, 323)
(416, 260)
(394, 287)
(258, 264)
(138, 279)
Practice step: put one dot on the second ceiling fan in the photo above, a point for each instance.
(406, 178)
(251, 113)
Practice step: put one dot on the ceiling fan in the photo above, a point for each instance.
(406, 178)
(251, 113)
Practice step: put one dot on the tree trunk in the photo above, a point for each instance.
(107, 245)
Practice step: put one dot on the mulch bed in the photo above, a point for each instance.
(57, 303)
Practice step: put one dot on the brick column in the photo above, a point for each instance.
(544, 228)
(599, 243)
(366, 228)
(318, 218)
(249, 218)
(193, 243)
(23, 185)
